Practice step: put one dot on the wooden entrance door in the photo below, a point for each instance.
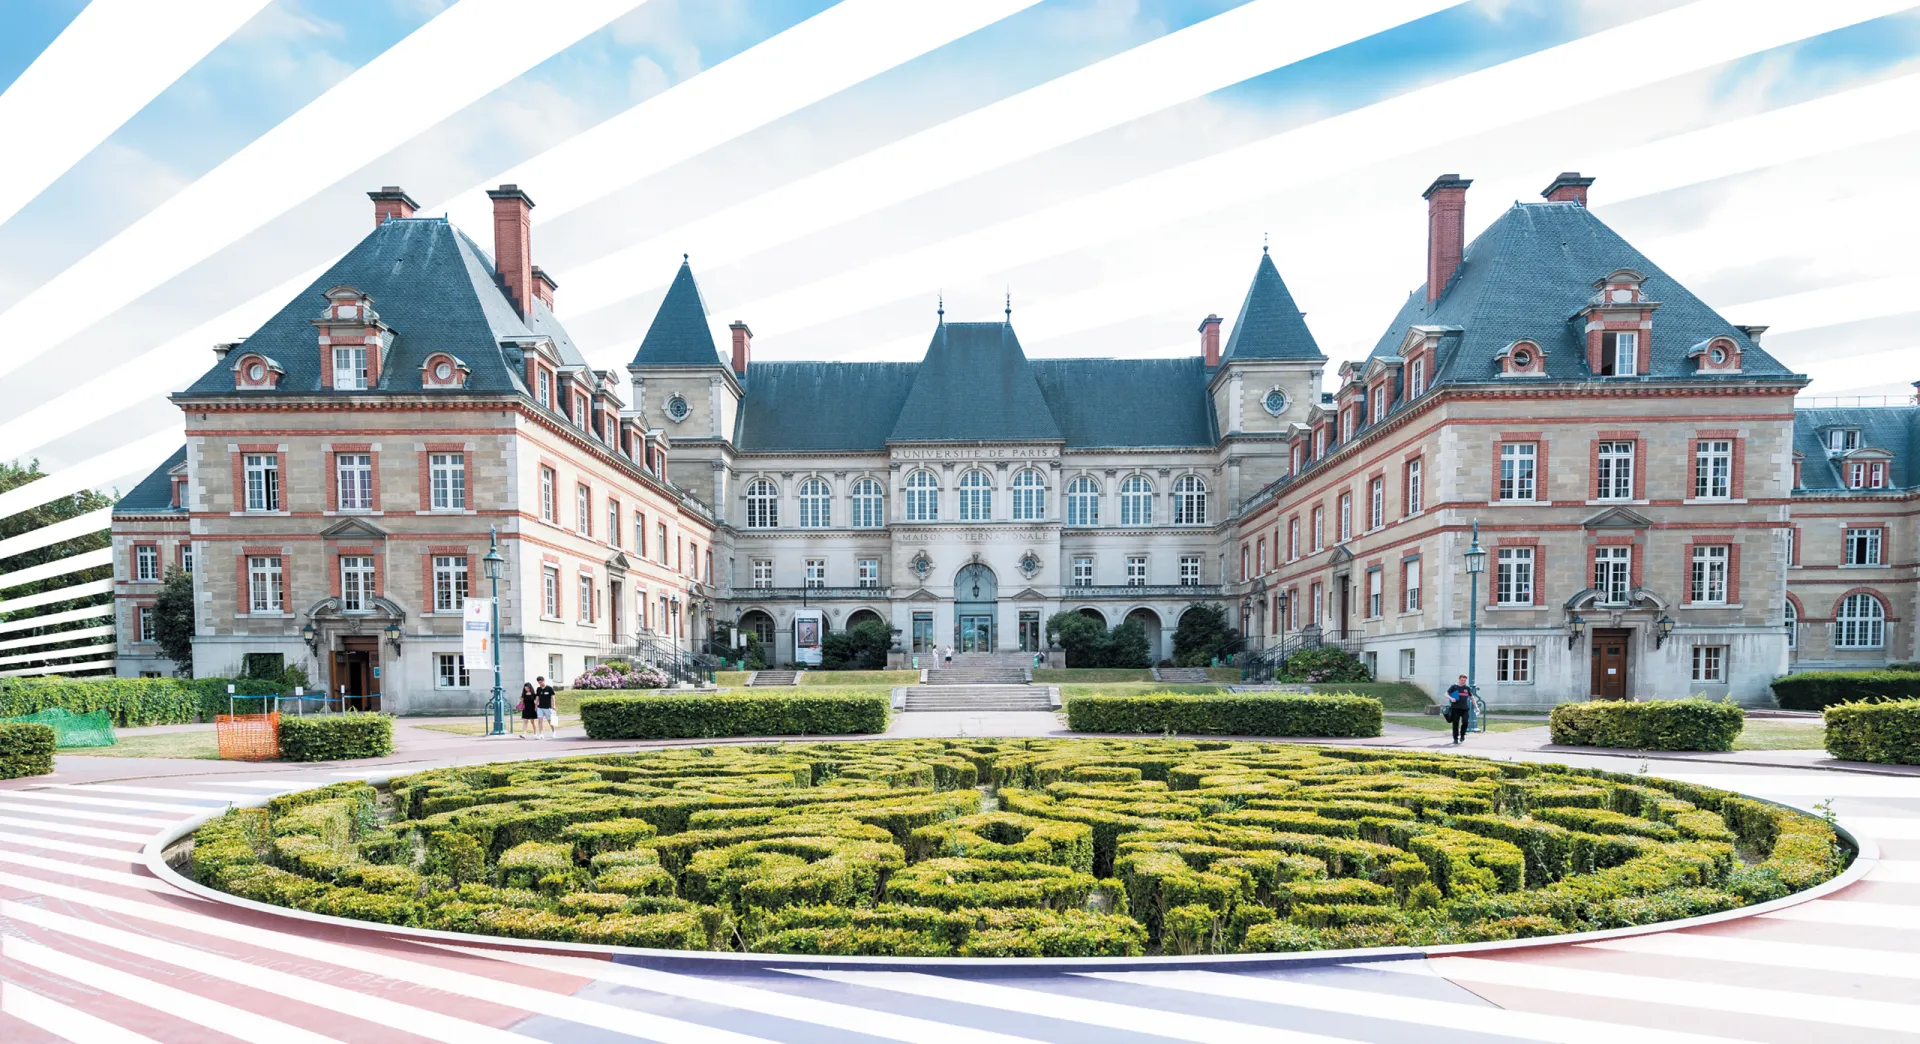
(1610, 664)
(355, 672)
(1346, 605)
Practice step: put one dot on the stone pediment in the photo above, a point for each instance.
(1028, 595)
(619, 563)
(1618, 518)
(1339, 556)
(923, 595)
(353, 529)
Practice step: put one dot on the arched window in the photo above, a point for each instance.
(1083, 502)
(760, 625)
(976, 497)
(1793, 625)
(869, 504)
(1861, 623)
(1029, 497)
(816, 504)
(763, 504)
(923, 497)
(1189, 501)
(1136, 501)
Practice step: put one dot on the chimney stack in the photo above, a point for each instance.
(1446, 231)
(1569, 187)
(513, 243)
(389, 203)
(1210, 340)
(543, 286)
(742, 346)
(1753, 332)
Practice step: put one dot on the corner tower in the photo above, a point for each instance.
(1268, 376)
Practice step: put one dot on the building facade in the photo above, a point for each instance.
(1657, 518)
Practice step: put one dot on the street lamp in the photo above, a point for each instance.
(491, 564)
(674, 633)
(1662, 629)
(1576, 626)
(1476, 557)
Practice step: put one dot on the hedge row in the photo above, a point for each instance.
(1692, 724)
(1818, 690)
(130, 701)
(676, 716)
(1016, 848)
(1888, 732)
(335, 737)
(26, 749)
(1233, 714)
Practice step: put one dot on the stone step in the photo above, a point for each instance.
(977, 676)
(774, 678)
(1181, 675)
(979, 698)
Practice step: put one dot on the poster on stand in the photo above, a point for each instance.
(809, 625)
(476, 633)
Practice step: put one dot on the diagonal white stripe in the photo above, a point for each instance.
(125, 855)
(69, 867)
(1813, 309)
(121, 788)
(73, 563)
(61, 654)
(60, 797)
(1858, 914)
(45, 1013)
(57, 636)
(1745, 950)
(65, 107)
(1896, 871)
(77, 526)
(64, 668)
(1884, 827)
(73, 830)
(94, 471)
(64, 616)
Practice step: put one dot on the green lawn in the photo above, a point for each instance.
(1436, 723)
(1782, 734)
(478, 726)
(197, 744)
(1088, 675)
(839, 679)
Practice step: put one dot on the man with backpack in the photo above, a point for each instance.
(1460, 708)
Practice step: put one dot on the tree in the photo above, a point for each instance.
(1126, 646)
(173, 619)
(1083, 638)
(862, 647)
(12, 476)
(1203, 634)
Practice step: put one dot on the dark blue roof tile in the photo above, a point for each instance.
(679, 335)
(154, 494)
(1270, 325)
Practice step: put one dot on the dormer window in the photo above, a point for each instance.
(253, 370)
(1378, 411)
(350, 367)
(1867, 474)
(1619, 353)
(443, 371)
(1715, 355)
(1416, 376)
(1522, 359)
(1841, 440)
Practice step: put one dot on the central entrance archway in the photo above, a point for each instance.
(976, 594)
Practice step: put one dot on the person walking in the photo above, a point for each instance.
(543, 706)
(949, 656)
(528, 704)
(1460, 708)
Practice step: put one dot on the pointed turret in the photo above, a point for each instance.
(974, 384)
(679, 335)
(1270, 325)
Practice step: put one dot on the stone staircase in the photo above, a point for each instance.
(1181, 675)
(980, 698)
(958, 675)
(774, 678)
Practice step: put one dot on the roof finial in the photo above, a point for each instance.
(684, 259)
(941, 305)
(1263, 242)
(1009, 302)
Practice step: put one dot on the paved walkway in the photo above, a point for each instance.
(94, 949)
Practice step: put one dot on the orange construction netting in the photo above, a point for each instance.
(248, 737)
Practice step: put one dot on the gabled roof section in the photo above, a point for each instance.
(821, 407)
(679, 335)
(1141, 403)
(153, 495)
(1270, 325)
(1892, 428)
(975, 385)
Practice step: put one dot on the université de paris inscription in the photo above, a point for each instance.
(976, 453)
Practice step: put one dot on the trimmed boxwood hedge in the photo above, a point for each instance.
(130, 701)
(26, 749)
(1692, 724)
(987, 848)
(1818, 690)
(1888, 732)
(1230, 714)
(335, 737)
(701, 715)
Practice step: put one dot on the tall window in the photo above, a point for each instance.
(1136, 570)
(1517, 460)
(550, 592)
(923, 497)
(1840, 440)
(1136, 501)
(1379, 409)
(1029, 496)
(1376, 593)
(1614, 462)
(660, 542)
(1513, 584)
(869, 572)
(1083, 571)
(353, 481)
(1416, 377)
(143, 618)
(583, 511)
(763, 505)
(640, 533)
(1410, 583)
(350, 367)
(763, 573)
(449, 583)
(264, 591)
(356, 583)
(1316, 606)
(1260, 557)
(1713, 469)
(1345, 527)
(1619, 354)
(450, 670)
(816, 504)
(1189, 570)
(1246, 562)
(262, 474)
(1413, 487)
(1860, 624)
(1792, 620)
(1293, 538)
(586, 599)
(976, 497)
(1377, 504)
(1710, 573)
(1709, 663)
(186, 558)
(1189, 501)
(146, 562)
(549, 509)
(869, 504)
(544, 384)
(1861, 547)
(1319, 527)
(613, 522)
(1613, 573)
(1083, 502)
(448, 474)
(816, 572)
(1514, 663)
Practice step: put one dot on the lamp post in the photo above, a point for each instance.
(1476, 557)
(492, 564)
(674, 633)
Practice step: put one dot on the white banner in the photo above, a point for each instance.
(476, 633)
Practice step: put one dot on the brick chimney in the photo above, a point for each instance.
(1569, 187)
(543, 286)
(742, 346)
(389, 203)
(1446, 231)
(1210, 340)
(513, 243)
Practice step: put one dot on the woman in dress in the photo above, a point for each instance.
(529, 713)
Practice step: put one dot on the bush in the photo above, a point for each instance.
(1692, 724)
(1326, 663)
(1888, 733)
(336, 737)
(1204, 634)
(862, 647)
(674, 716)
(1818, 690)
(210, 694)
(616, 674)
(26, 749)
(1242, 714)
(130, 701)
(1088, 644)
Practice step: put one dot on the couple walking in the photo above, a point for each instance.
(536, 706)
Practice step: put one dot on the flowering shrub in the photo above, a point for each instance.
(618, 675)
(1324, 664)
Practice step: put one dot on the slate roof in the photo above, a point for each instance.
(153, 495)
(821, 407)
(679, 335)
(1529, 272)
(1270, 325)
(1895, 429)
(974, 384)
(1129, 402)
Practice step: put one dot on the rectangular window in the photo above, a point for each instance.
(545, 386)
(1513, 584)
(1517, 461)
(586, 599)
(1877, 475)
(1413, 486)
(146, 562)
(186, 558)
(143, 616)
(1136, 570)
(1379, 404)
(816, 572)
(869, 572)
(264, 591)
(1710, 574)
(1614, 471)
(1376, 593)
(356, 583)
(1189, 570)
(640, 534)
(1316, 607)
(1514, 663)
(263, 481)
(1410, 583)
(1260, 557)
(583, 510)
(1709, 663)
(1713, 469)
(763, 572)
(549, 509)
(448, 474)
(1377, 504)
(1293, 538)
(350, 367)
(1346, 517)
(353, 479)
(1862, 547)
(1246, 562)
(1792, 558)
(1293, 608)
(660, 542)
(613, 522)
(1619, 354)
(1409, 663)
(450, 670)
(1840, 440)
(1416, 377)
(1613, 574)
(550, 592)
(449, 583)
(1319, 528)
(1083, 572)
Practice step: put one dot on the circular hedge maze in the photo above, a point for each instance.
(1068, 848)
